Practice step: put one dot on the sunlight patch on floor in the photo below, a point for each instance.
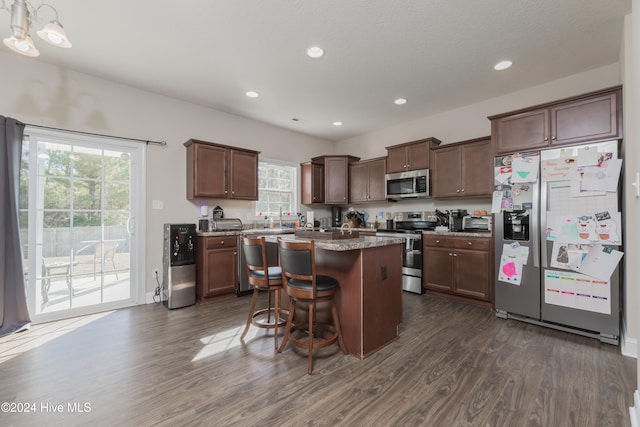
(223, 341)
(21, 342)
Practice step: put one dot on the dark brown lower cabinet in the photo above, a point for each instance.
(458, 267)
(217, 266)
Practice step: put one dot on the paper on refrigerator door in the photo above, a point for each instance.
(574, 290)
(496, 202)
(557, 169)
(515, 250)
(599, 228)
(603, 177)
(525, 169)
(568, 255)
(510, 269)
(600, 262)
(587, 156)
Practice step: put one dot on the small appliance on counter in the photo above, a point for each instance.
(179, 265)
(228, 224)
(203, 224)
(456, 218)
(336, 216)
(476, 223)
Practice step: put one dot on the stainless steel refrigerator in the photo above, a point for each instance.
(544, 229)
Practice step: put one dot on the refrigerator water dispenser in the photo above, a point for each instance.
(516, 225)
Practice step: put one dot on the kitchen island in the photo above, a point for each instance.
(369, 272)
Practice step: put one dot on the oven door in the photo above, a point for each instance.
(411, 260)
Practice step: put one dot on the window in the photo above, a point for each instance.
(277, 189)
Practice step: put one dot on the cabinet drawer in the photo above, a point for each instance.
(473, 243)
(479, 244)
(221, 242)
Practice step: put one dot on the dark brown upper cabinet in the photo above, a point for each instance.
(220, 171)
(336, 178)
(462, 169)
(587, 118)
(410, 156)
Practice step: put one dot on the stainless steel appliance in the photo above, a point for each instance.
(411, 184)
(179, 265)
(544, 219)
(409, 226)
(480, 223)
(456, 217)
(336, 216)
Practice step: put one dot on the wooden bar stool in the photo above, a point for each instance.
(263, 278)
(306, 288)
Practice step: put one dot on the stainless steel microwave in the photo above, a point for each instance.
(411, 184)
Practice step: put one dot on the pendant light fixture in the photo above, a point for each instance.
(23, 16)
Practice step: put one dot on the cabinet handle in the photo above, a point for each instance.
(221, 242)
(457, 191)
(553, 137)
(469, 243)
(546, 139)
(455, 254)
(462, 191)
(225, 191)
(450, 254)
(437, 241)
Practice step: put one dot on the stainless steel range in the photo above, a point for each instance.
(409, 226)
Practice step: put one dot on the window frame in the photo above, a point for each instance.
(253, 215)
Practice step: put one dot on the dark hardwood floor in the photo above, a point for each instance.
(453, 365)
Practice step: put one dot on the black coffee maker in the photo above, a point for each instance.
(336, 216)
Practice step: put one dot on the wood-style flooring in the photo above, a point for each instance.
(453, 365)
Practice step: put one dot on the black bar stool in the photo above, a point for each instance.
(263, 278)
(306, 288)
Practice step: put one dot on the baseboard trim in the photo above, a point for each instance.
(628, 346)
(634, 411)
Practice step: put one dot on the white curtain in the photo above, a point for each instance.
(14, 314)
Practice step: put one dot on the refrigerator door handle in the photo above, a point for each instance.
(542, 240)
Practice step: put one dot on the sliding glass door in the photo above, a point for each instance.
(78, 210)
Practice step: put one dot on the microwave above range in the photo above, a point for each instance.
(405, 185)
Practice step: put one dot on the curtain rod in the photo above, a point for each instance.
(146, 141)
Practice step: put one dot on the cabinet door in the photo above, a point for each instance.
(586, 120)
(418, 156)
(522, 131)
(437, 269)
(359, 182)
(312, 183)
(377, 183)
(446, 172)
(336, 177)
(206, 171)
(222, 272)
(244, 175)
(472, 274)
(396, 159)
(476, 169)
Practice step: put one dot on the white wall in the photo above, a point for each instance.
(38, 93)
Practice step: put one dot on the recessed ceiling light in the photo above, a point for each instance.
(400, 101)
(315, 52)
(502, 65)
(337, 123)
(252, 94)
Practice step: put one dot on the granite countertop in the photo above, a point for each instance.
(252, 231)
(346, 244)
(486, 234)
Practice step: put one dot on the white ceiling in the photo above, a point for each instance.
(439, 54)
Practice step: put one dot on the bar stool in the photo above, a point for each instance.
(305, 287)
(263, 278)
